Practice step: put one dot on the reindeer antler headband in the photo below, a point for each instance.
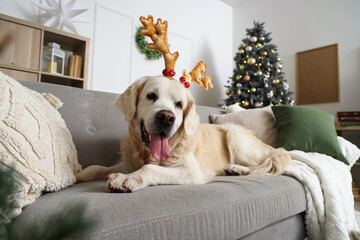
(158, 34)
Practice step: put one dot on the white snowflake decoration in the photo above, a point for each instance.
(59, 15)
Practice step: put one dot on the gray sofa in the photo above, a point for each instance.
(236, 207)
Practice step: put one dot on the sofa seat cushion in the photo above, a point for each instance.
(226, 208)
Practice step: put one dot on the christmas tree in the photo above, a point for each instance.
(258, 79)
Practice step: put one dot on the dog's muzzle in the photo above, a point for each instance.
(164, 122)
(157, 140)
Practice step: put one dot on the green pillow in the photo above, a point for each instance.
(308, 130)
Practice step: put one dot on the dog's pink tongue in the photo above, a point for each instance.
(159, 147)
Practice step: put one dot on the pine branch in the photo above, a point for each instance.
(70, 223)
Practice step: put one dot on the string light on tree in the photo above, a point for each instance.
(262, 80)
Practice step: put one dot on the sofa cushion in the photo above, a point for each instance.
(260, 121)
(308, 130)
(226, 208)
(35, 142)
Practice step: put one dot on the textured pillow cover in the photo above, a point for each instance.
(260, 121)
(35, 142)
(308, 130)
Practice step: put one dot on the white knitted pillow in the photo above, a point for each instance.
(35, 142)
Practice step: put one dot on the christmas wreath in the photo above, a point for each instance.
(142, 45)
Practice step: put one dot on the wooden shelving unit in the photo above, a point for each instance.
(340, 129)
(21, 57)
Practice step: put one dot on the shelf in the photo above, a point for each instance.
(346, 128)
(62, 79)
(77, 46)
(25, 52)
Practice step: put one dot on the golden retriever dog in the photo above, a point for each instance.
(166, 144)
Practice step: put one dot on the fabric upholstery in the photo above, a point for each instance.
(93, 119)
(227, 208)
(35, 142)
(308, 130)
(283, 229)
(260, 121)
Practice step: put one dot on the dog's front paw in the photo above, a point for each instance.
(121, 183)
(234, 170)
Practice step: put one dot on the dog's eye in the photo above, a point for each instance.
(178, 104)
(152, 96)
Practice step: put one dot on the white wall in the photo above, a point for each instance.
(302, 25)
(196, 31)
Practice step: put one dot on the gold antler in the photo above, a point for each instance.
(195, 75)
(159, 40)
(158, 34)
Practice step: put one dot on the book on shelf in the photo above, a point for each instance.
(349, 123)
(347, 114)
(349, 118)
(75, 66)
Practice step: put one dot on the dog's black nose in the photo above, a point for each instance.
(165, 119)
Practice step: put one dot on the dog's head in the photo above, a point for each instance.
(159, 107)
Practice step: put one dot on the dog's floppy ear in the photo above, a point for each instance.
(127, 101)
(191, 118)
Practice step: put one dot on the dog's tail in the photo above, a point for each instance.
(275, 164)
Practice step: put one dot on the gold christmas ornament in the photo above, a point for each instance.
(247, 78)
(227, 91)
(264, 53)
(238, 92)
(251, 61)
(276, 81)
(245, 103)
